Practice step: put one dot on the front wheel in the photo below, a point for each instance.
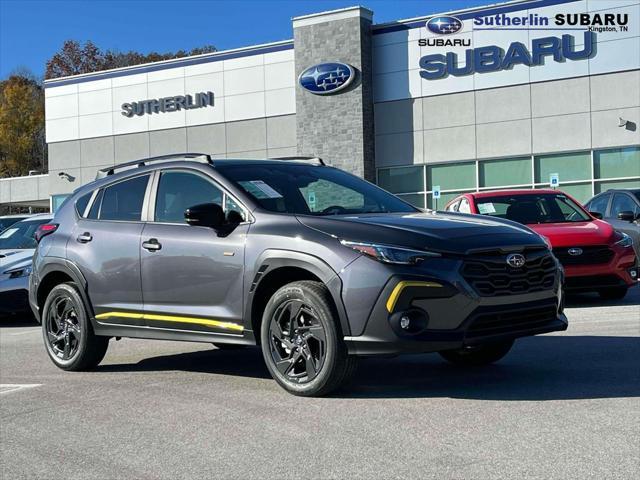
(613, 293)
(477, 356)
(67, 331)
(302, 341)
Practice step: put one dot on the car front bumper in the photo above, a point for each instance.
(14, 295)
(445, 312)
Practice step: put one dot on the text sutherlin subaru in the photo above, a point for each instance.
(312, 263)
(595, 256)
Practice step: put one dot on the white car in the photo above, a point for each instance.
(17, 244)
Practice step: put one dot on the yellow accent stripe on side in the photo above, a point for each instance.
(395, 294)
(172, 318)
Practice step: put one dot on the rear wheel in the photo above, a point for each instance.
(67, 331)
(302, 341)
(614, 293)
(480, 355)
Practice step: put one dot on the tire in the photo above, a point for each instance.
(613, 293)
(229, 346)
(67, 331)
(306, 356)
(477, 356)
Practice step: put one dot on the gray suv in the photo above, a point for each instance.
(315, 265)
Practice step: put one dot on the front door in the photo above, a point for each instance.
(105, 245)
(192, 279)
(623, 202)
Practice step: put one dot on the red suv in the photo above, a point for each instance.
(595, 256)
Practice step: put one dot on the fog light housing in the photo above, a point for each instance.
(633, 273)
(409, 322)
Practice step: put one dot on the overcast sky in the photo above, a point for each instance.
(32, 31)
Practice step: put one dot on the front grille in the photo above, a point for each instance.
(490, 275)
(591, 255)
(511, 321)
(593, 281)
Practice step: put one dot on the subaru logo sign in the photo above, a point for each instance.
(516, 260)
(326, 78)
(575, 251)
(444, 25)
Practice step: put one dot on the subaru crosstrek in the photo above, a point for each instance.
(315, 265)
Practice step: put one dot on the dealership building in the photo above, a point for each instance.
(504, 96)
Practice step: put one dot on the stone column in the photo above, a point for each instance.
(337, 127)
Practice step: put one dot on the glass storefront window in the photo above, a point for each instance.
(580, 191)
(415, 199)
(604, 186)
(569, 166)
(618, 162)
(510, 171)
(57, 201)
(448, 177)
(402, 180)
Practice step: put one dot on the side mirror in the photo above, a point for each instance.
(626, 216)
(205, 215)
(598, 215)
(234, 218)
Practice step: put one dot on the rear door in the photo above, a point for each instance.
(192, 279)
(105, 245)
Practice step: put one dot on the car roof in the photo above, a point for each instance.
(240, 161)
(17, 215)
(39, 216)
(504, 193)
(629, 190)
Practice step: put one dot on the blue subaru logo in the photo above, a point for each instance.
(327, 78)
(444, 25)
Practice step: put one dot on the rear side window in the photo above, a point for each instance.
(82, 202)
(122, 201)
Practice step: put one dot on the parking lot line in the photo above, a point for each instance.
(14, 387)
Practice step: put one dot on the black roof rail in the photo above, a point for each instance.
(194, 157)
(298, 158)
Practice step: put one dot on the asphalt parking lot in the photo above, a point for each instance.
(559, 406)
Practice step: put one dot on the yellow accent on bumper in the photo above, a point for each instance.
(172, 318)
(395, 294)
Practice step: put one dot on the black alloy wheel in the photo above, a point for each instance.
(297, 341)
(67, 330)
(64, 332)
(302, 341)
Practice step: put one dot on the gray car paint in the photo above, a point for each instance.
(191, 275)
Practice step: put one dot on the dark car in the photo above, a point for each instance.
(314, 264)
(621, 208)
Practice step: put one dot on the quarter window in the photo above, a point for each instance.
(82, 202)
(123, 201)
(464, 206)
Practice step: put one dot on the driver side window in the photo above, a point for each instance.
(177, 191)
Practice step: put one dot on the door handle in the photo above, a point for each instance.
(85, 237)
(152, 245)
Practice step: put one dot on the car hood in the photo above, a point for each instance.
(10, 259)
(443, 232)
(595, 232)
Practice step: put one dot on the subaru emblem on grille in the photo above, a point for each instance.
(516, 260)
(575, 251)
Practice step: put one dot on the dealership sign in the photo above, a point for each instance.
(492, 58)
(168, 104)
(326, 78)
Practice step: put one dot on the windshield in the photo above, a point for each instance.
(6, 222)
(311, 190)
(534, 208)
(20, 235)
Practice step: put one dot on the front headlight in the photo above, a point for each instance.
(19, 272)
(622, 239)
(390, 253)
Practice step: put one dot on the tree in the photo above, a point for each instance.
(22, 144)
(74, 58)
